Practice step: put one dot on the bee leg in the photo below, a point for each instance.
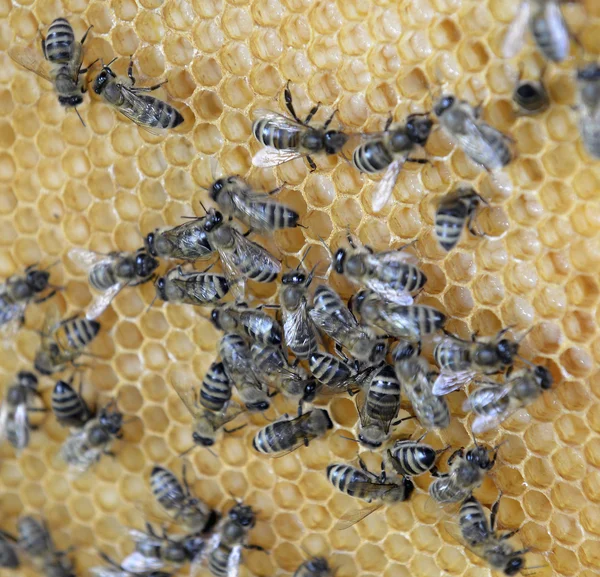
(85, 35)
(47, 297)
(148, 88)
(340, 353)
(458, 453)
(43, 49)
(255, 548)
(229, 431)
(312, 112)
(494, 512)
(435, 473)
(419, 160)
(311, 163)
(328, 121)
(471, 226)
(130, 71)
(287, 94)
(276, 190)
(388, 123)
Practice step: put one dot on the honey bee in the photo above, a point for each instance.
(392, 274)
(257, 211)
(453, 212)
(241, 258)
(363, 484)
(287, 435)
(17, 292)
(285, 139)
(61, 65)
(460, 361)
(253, 323)
(193, 287)
(68, 406)
(482, 143)
(14, 419)
(188, 242)
(410, 458)
(215, 390)
(389, 150)
(177, 500)
(85, 446)
(404, 322)
(116, 570)
(588, 86)
(146, 111)
(110, 273)
(332, 316)
(8, 554)
(314, 567)
(331, 371)
(547, 26)
(63, 342)
(414, 374)
(493, 404)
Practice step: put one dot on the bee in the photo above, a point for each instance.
(68, 406)
(332, 316)
(588, 86)
(547, 26)
(146, 111)
(187, 242)
(460, 361)
(257, 211)
(378, 406)
(454, 211)
(531, 97)
(193, 288)
(410, 458)
(287, 435)
(482, 143)
(247, 322)
(363, 484)
(63, 342)
(14, 419)
(392, 274)
(331, 371)
(414, 374)
(466, 472)
(116, 570)
(404, 322)
(389, 150)
(215, 390)
(8, 554)
(61, 65)
(177, 500)
(241, 258)
(285, 139)
(493, 404)
(110, 273)
(271, 367)
(17, 292)
(86, 446)
(237, 360)
(314, 567)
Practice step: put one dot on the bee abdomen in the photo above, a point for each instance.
(218, 561)
(372, 157)
(79, 332)
(159, 114)
(342, 476)
(269, 134)
(448, 355)
(166, 488)
(59, 42)
(277, 215)
(414, 458)
(273, 438)
(216, 388)
(327, 369)
(103, 276)
(445, 491)
(68, 407)
(553, 43)
(449, 223)
(472, 522)
(263, 275)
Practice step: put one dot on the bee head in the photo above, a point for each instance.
(161, 288)
(214, 219)
(145, 264)
(339, 260)
(371, 437)
(334, 141)
(378, 352)
(310, 391)
(215, 316)
(259, 406)
(202, 441)
(418, 128)
(27, 379)
(506, 350)
(110, 420)
(356, 301)
(193, 545)
(443, 104)
(103, 79)
(543, 377)
(409, 487)
(514, 566)
(149, 244)
(294, 277)
(242, 515)
(37, 280)
(216, 188)
(480, 457)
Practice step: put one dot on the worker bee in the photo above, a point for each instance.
(8, 554)
(17, 292)
(414, 374)
(392, 274)
(547, 26)
(287, 435)
(482, 143)
(493, 404)
(146, 111)
(378, 405)
(215, 390)
(257, 211)
(116, 570)
(404, 322)
(285, 139)
(271, 367)
(363, 484)
(460, 361)
(63, 342)
(85, 446)
(314, 567)
(225, 546)
(188, 242)
(588, 85)
(410, 458)
(68, 406)
(332, 316)
(330, 371)
(531, 97)
(253, 323)
(467, 470)
(177, 500)
(110, 273)
(453, 212)
(19, 401)
(61, 65)
(389, 150)
(192, 288)
(241, 258)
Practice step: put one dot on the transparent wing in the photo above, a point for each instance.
(447, 381)
(236, 281)
(187, 393)
(297, 327)
(20, 427)
(248, 251)
(10, 314)
(257, 208)
(394, 257)
(233, 563)
(134, 107)
(556, 24)
(353, 517)
(276, 119)
(32, 60)
(268, 156)
(475, 144)
(395, 296)
(87, 259)
(386, 185)
(102, 301)
(492, 418)
(136, 562)
(200, 291)
(141, 537)
(196, 563)
(515, 35)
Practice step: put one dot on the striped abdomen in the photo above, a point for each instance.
(418, 320)
(58, 45)
(412, 458)
(473, 523)
(270, 134)
(261, 327)
(204, 288)
(276, 215)
(215, 390)
(479, 402)
(218, 560)
(451, 355)
(445, 490)
(551, 35)
(158, 114)
(432, 411)
(275, 438)
(450, 220)
(166, 489)
(68, 407)
(372, 156)
(103, 276)
(75, 334)
(329, 370)
(383, 396)
(342, 477)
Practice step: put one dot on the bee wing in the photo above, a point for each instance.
(353, 517)
(237, 282)
(32, 60)
(10, 316)
(386, 185)
(268, 156)
(141, 537)
(297, 326)
(339, 321)
(447, 381)
(200, 291)
(102, 301)
(257, 207)
(474, 141)
(394, 296)
(556, 25)
(4, 414)
(493, 419)
(20, 427)
(515, 35)
(247, 250)
(197, 562)
(394, 257)
(276, 119)
(134, 108)
(188, 395)
(87, 259)
(136, 563)
(233, 563)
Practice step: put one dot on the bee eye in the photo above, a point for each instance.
(160, 283)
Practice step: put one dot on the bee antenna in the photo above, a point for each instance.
(151, 303)
(203, 207)
(108, 65)
(187, 451)
(304, 257)
(79, 115)
(349, 439)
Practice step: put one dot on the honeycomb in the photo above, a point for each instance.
(105, 185)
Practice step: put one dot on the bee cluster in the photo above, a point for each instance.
(382, 348)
